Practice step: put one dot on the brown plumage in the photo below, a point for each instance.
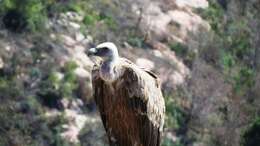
(131, 106)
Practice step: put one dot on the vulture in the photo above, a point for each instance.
(129, 99)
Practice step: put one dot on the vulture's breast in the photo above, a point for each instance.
(120, 119)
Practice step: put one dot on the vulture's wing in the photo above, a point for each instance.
(146, 100)
(132, 108)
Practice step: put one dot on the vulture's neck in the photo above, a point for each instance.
(109, 69)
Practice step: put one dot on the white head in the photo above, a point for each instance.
(109, 54)
(107, 51)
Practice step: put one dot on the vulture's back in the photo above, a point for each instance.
(132, 107)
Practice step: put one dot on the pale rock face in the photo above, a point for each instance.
(74, 25)
(69, 20)
(63, 22)
(69, 41)
(183, 70)
(177, 78)
(89, 38)
(80, 123)
(192, 3)
(174, 24)
(145, 63)
(53, 36)
(76, 105)
(171, 136)
(82, 73)
(1, 63)
(188, 22)
(65, 102)
(157, 53)
(63, 15)
(76, 123)
(73, 16)
(8, 48)
(80, 57)
(59, 75)
(170, 69)
(51, 113)
(154, 19)
(79, 36)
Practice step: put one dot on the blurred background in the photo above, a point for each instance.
(206, 53)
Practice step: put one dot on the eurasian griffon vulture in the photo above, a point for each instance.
(129, 99)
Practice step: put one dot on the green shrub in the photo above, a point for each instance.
(92, 14)
(90, 20)
(182, 50)
(35, 14)
(236, 57)
(136, 41)
(175, 116)
(35, 72)
(70, 66)
(69, 83)
(169, 142)
(54, 80)
(7, 4)
(244, 79)
(34, 11)
(227, 61)
(239, 75)
(251, 137)
(56, 86)
(9, 88)
(65, 86)
(214, 15)
(134, 38)
(179, 48)
(237, 39)
(235, 45)
(75, 6)
(23, 123)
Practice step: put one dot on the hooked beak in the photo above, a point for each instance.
(92, 52)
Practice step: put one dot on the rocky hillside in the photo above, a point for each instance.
(206, 54)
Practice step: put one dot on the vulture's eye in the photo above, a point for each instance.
(105, 49)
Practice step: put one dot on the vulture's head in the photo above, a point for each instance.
(106, 51)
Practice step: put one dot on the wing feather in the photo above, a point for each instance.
(144, 102)
(143, 88)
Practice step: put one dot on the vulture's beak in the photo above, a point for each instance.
(92, 52)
